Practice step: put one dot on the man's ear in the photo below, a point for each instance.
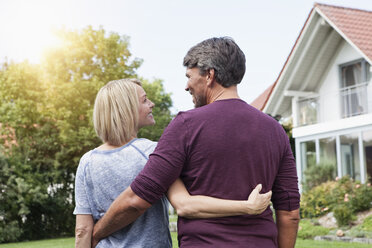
(210, 77)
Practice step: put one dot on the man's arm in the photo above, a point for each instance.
(200, 206)
(287, 224)
(126, 208)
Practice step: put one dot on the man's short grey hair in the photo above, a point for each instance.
(221, 54)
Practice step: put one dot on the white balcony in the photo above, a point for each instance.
(347, 102)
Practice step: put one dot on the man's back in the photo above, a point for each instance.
(230, 153)
(224, 150)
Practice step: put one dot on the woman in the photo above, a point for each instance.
(120, 110)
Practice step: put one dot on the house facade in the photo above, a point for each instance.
(325, 88)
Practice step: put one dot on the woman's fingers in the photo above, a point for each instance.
(258, 188)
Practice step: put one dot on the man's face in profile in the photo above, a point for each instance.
(196, 86)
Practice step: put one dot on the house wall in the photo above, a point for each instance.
(329, 108)
(351, 131)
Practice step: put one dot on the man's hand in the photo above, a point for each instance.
(257, 203)
(126, 208)
(94, 242)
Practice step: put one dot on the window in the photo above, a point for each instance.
(350, 155)
(308, 155)
(367, 146)
(354, 77)
(308, 111)
(327, 152)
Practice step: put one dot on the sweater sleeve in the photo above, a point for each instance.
(285, 189)
(165, 163)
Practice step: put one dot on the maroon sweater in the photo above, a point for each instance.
(224, 150)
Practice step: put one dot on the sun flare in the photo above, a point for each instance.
(29, 29)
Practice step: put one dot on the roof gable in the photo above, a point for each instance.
(354, 25)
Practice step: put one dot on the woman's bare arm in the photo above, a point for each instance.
(209, 207)
(83, 230)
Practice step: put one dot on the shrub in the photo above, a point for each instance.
(343, 214)
(308, 230)
(317, 202)
(361, 198)
(9, 232)
(318, 174)
(344, 197)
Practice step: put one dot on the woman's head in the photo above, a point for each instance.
(116, 114)
(145, 106)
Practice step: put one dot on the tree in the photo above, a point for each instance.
(46, 116)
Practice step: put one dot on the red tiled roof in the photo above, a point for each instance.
(260, 102)
(355, 24)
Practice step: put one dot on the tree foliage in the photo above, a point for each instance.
(46, 126)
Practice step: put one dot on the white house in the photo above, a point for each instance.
(325, 87)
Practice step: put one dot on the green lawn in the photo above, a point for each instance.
(306, 243)
(55, 243)
(69, 243)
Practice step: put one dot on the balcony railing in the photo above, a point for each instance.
(347, 102)
(354, 100)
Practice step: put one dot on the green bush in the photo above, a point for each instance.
(344, 197)
(318, 174)
(361, 197)
(317, 202)
(343, 214)
(308, 230)
(9, 232)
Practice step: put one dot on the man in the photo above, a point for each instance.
(222, 148)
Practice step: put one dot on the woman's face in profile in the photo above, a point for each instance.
(145, 106)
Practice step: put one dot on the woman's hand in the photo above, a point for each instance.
(257, 203)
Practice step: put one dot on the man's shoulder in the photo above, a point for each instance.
(221, 106)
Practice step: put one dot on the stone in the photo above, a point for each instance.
(360, 240)
(346, 239)
(340, 233)
(328, 238)
(328, 221)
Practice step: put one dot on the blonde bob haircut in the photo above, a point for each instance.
(115, 114)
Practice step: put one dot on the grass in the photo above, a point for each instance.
(308, 230)
(173, 218)
(306, 243)
(174, 239)
(69, 243)
(55, 243)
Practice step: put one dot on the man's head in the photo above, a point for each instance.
(218, 58)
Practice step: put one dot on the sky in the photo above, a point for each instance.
(162, 31)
